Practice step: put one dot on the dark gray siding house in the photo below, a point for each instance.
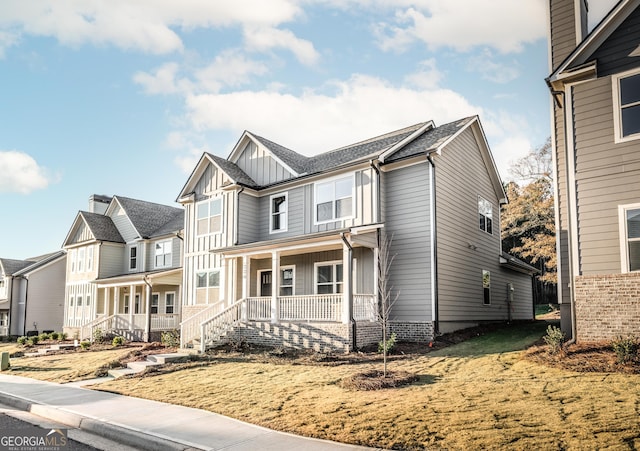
(595, 93)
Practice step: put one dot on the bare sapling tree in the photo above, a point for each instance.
(386, 296)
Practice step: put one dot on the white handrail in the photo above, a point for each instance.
(190, 327)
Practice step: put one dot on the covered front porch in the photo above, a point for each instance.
(136, 306)
(323, 278)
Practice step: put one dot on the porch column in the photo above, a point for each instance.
(147, 306)
(222, 289)
(376, 291)
(275, 286)
(347, 282)
(116, 300)
(246, 266)
(105, 301)
(132, 296)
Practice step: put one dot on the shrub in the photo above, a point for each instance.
(554, 338)
(117, 341)
(33, 340)
(391, 343)
(63, 336)
(44, 336)
(22, 341)
(55, 335)
(626, 349)
(98, 335)
(85, 344)
(170, 339)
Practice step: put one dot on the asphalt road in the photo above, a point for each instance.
(78, 440)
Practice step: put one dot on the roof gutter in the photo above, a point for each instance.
(375, 167)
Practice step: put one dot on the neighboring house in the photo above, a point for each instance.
(124, 268)
(595, 91)
(282, 249)
(32, 294)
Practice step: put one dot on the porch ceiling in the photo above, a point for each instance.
(168, 277)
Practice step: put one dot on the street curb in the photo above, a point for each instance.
(118, 433)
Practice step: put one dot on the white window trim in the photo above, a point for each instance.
(163, 242)
(207, 271)
(333, 263)
(174, 302)
(80, 261)
(155, 293)
(285, 213)
(353, 198)
(132, 246)
(483, 288)
(617, 107)
(259, 279)
(622, 230)
(221, 198)
(89, 265)
(478, 217)
(74, 258)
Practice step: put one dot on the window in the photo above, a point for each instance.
(155, 299)
(126, 304)
(136, 304)
(209, 215)
(79, 301)
(334, 199)
(133, 258)
(70, 301)
(209, 279)
(163, 254)
(72, 255)
(278, 204)
(286, 281)
(81, 259)
(630, 237)
(486, 287)
(485, 212)
(626, 93)
(169, 299)
(329, 278)
(90, 258)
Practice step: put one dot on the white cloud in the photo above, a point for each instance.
(598, 9)
(162, 80)
(505, 25)
(143, 25)
(263, 39)
(507, 150)
(490, 70)
(427, 77)
(361, 107)
(20, 173)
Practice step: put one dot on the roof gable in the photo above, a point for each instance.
(291, 161)
(148, 218)
(10, 266)
(577, 61)
(42, 262)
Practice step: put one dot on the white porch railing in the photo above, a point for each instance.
(86, 330)
(213, 329)
(122, 322)
(165, 321)
(190, 327)
(258, 309)
(365, 307)
(4, 330)
(315, 307)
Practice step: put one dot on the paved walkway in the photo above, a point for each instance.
(144, 424)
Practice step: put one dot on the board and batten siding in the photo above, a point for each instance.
(197, 249)
(407, 224)
(607, 175)
(83, 233)
(464, 250)
(258, 164)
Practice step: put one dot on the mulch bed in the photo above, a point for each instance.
(376, 380)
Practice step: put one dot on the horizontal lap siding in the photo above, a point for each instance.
(607, 175)
(563, 32)
(249, 230)
(45, 301)
(562, 222)
(461, 176)
(407, 223)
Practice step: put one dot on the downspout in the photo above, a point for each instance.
(26, 298)
(377, 170)
(350, 293)
(434, 247)
(237, 217)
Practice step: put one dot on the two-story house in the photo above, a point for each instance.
(32, 294)
(124, 270)
(595, 93)
(283, 249)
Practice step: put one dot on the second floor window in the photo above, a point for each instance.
(163, 255)
(279, 213)
(485, 213)
(209, 216)
(72, 257)
(89, 258)
(334, 199)
(133, 258)
(81, 252)
(629, 115)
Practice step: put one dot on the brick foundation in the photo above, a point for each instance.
(417, 331)
(607, 306)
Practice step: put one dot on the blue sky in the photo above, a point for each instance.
(122, 97)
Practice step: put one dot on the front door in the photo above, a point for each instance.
(265, 283)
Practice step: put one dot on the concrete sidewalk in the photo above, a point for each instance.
(145, 424)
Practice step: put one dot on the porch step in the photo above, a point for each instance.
(152, 360)
(121, 372)
(58, 347)
(167, 358)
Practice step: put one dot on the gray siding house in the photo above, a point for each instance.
(595, 92)
(32, 294)
(283, 249)
(124, 269)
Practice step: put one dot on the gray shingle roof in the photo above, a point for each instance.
(102, 227)
(233, 171)
(11, 266)
(294, 160)
(151, 219)
(40, 261)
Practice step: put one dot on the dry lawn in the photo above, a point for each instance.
(478, 394)
(69, 366)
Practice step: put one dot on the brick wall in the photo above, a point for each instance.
(607, 306)
(417, 331)
(190, 310)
